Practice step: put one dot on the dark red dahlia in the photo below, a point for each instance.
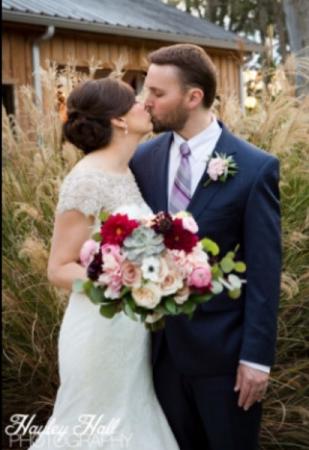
(117, 228)
(177, 238)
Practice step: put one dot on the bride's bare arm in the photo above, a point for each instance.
(71, 230)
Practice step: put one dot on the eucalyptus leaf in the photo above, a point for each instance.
(227, 264)
(189, 307)
(129, 312)
(96, 295)
(234, 294)
(199, 299)
(217, 288)
(170, 306)
(216, 271)
(133, 305)
(87, 287)
(109, 310)
(210, 246)
(240, 267)
(78, 286)
(143, 316)
(234, 281)
(104, 215)
(230, 255)
(124, 291)
(97, 237)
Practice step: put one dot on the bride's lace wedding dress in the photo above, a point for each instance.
(106, 398)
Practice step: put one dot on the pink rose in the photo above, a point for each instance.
(113, 281)
(197, 257)
(111, 257)
(112, 292)
(190, 224)
(131, 274)
(113, 250)
(200, 277)
(171, 283)
(177, 259)
(217, 167)
(87, 252)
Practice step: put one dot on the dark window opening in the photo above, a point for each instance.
(133, 77)
(8, 98)
(136, 79)
(101, 73)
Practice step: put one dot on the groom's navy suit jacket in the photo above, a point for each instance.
(242, 210)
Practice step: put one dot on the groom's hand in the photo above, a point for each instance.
(251, 385)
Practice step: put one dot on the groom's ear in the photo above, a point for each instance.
(195, 97)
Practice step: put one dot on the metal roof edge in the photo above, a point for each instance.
(37, 19)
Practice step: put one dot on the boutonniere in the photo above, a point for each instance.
(220, 168)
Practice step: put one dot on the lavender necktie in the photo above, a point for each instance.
(181, 191)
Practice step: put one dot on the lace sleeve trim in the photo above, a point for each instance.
(81, 192)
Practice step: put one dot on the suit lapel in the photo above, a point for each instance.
(160, 164)
(204, 195)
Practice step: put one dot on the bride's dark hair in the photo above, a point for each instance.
(90, 108)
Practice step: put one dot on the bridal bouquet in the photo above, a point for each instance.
(154, 266)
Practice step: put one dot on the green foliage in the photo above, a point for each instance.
(108, 310)
(104, 216)
(210, 246)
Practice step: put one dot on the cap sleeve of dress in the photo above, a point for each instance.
(82, 192)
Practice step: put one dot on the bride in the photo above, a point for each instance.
(106, 398)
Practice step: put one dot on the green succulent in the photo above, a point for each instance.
(143, 242)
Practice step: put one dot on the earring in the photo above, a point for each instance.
(126, 130)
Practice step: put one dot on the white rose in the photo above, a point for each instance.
(171, 283)
(182, 295)
(147, 296)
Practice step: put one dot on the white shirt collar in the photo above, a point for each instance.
(200, 143)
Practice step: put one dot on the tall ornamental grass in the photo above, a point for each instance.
(35, 162)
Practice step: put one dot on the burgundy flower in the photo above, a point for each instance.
(163, 222)
(202, 291)
(94, 269)
(178, 238)
(117, 228)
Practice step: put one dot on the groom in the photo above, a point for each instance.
(211, 372)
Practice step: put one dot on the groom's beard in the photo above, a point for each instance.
(175, 121)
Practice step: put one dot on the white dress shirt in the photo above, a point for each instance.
(202, 146)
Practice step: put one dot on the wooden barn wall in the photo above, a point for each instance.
(68, 45)
(16, 57)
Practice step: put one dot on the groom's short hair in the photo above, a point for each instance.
(195, 67)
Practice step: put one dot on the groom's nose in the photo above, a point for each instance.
(148, 100)
(148, 105)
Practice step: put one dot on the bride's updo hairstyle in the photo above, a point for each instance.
(90, 108)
